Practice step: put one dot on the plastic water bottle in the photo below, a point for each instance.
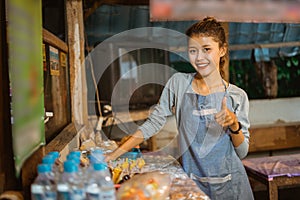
(100, 185)
(70, 186)
(107, 185)
(93, 190)
(57, 163)
(43, 186)
(96, 156)
(55, 173)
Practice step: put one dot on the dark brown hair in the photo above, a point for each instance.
(210, 27)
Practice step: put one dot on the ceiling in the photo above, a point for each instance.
(103, 20)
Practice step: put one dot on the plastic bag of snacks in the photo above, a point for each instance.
(125, 168)
(146, 186)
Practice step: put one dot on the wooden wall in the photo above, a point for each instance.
(266, 139)
(68, 138)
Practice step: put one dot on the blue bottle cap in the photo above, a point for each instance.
(55, 154)
(77, 153)
(73, 158)
(48, 159)
(70, 166)
(43, 168)
(99, 166)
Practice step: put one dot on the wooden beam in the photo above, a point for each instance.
(53, 40)
(96, 4)
(235, 47)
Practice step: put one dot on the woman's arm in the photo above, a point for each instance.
(133, 141)
(157, 118)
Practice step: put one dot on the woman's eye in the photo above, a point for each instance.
(192, 51)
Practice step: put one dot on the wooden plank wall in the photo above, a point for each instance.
(274, 138)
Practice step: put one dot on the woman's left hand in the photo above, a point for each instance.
(226, 118)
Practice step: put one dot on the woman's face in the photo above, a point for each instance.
(204, 54)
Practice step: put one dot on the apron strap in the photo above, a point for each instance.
(211, 180)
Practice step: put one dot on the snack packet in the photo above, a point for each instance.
(147, 186)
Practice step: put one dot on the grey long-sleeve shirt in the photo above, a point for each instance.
(171, 99)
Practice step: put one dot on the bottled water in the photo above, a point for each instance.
(93, 190)
(57, 162)
(100, 185)
(107, 185)
(70, 186)
(96, 156)
(57, 167)
(43, 187)
(55, 173)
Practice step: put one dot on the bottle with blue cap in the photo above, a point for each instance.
(57, 163)
(100, 185)
(70, 185)
(55, 171)
(43, 186)
(96, 156)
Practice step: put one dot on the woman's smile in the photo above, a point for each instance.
(204, 54)
(202, 65)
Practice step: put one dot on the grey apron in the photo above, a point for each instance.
(208, 155)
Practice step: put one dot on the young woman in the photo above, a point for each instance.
(211, 116)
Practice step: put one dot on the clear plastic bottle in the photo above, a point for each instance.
(93, 189)
(100, 185)
(107, 185)
(70, 186)
(55, 173)
(43, 186)
(97, 156)
(57, 163)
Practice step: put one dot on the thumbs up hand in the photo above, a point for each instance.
(226, 118)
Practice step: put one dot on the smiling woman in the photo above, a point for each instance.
(211, 115)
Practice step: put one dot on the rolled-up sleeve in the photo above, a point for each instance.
(161, 111)
(241, 104)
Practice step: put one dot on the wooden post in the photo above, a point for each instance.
(75, 32)
(226, 66)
